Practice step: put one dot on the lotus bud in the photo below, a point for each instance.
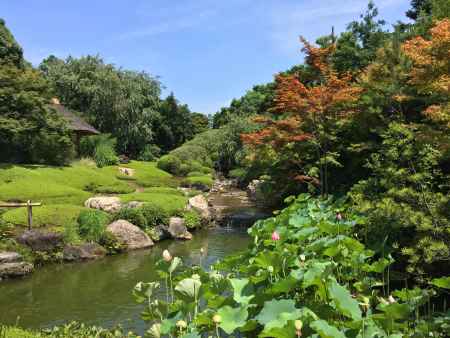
(167, 256)
(298, 325)
(391, 299)
(275, 236)
(181, 324)
(270, 268)
(202, 251)
(217, 319)
(339, 216)
(302, 257)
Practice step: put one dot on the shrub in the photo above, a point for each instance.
(105, 155)
(88, 144)
(52, 148)
(155, 215)
(110, 243)
(192, 219)
(71, 233)
(205, 181)
(194, 173)
(149, 153)
(171, 203)
(92, 224)
(132, 215)
(170, 164)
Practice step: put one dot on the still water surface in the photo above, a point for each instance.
(99, 292)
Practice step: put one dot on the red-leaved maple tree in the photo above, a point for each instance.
(308, 112)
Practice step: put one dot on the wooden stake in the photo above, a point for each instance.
(30, 214)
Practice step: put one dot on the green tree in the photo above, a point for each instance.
(115, 101)
(29, 130)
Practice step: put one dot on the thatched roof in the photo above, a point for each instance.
(75, 122)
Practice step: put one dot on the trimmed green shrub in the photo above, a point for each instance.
(71, 233)
(204, 180)
(110, 243)
(92, 224)
(170, 164)
(192, 219)
(88, 144)
(172, 203)
(155, 215)
(194, 173)
(132, 215)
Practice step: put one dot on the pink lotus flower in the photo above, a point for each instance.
(339, 216)
(275, 236)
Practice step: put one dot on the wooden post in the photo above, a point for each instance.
(29, 206)
(30, 214)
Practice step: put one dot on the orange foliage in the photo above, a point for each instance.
(302, 104)
(431, 68)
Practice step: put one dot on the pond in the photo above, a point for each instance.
(99, 292)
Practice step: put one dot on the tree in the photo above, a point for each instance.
(200, 123)
(419, 7)
(29, 130)
(115, 101)
(309, 114)
(430, 71)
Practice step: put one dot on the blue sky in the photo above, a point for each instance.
(205, 51)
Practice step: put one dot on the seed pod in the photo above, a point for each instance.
(298, 325)
(217, 319)
(181, 324)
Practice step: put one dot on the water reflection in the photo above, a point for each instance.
(99, 292)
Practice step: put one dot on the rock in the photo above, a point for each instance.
(199, 204)
(177, 229)
(83, 252)
(129, 235)
(159, 233)
(41, 240)
(10, 257)
(254, 190)
(134, 204)
(105, 203)
(126, 171)
(15, 269)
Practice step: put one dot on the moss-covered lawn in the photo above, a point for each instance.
(63, 190)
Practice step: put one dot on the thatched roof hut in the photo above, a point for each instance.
(79, 126)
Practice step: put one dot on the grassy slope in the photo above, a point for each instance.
(63, 190)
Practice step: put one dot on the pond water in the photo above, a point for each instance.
(99, 292)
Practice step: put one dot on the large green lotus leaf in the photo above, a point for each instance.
(242, 290)
(344, 301)
(144, 291)
(326, 330)
(299, 221)
(191, 335)
(276, 313)
(371, 330)
(287, 331)
(189, 288)
(316, 273)
(283, 286)
(443, 282)
(269, 258)
(232, 318)
(305, 233)
(395, 310)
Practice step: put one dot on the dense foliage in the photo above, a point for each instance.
(29, 130)
(306, 274)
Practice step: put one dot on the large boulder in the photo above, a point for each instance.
(82, 252)
(159, 233)
(15, 269)
(10, 257)
(129, 235)
(200, 204)
(39, 240)
(105, 203)
(177, 229)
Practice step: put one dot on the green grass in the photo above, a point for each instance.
(205, 179)
(170, 202)
(148, 175)
(63, 190)
(14, 332)
(46, 215)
